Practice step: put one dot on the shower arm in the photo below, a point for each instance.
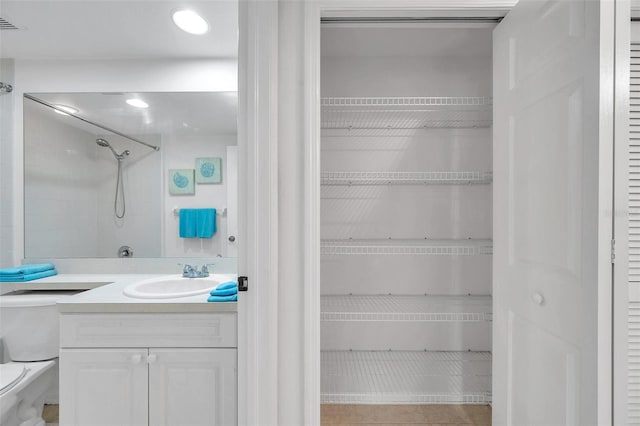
(47, 104)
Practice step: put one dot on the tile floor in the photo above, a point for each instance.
(378, 415)
(404, 415)
(50, 414)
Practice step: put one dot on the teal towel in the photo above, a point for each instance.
(205, 223)
(26, 269)
(232, 298)
(225, 289)
(188, 223)
(27, 277)
(226, 285)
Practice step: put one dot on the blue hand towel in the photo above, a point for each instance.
(226, 285)
(233, 298)
(225, 292)
(206, 222)
(27, 277)
(188, 223)
(26, 269)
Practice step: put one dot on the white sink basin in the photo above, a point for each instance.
(172, 286)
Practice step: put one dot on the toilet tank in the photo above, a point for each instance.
(30, 324)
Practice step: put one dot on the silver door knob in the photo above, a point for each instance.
(232, 238)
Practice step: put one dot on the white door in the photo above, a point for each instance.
(192, 387)
(552, 221)
(232, 202)
(103, 387)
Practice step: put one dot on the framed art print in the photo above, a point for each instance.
(209, 170)
(181, 182)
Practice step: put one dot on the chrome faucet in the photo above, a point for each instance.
(189, 271)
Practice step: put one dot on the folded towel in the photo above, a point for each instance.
(225, 289)
(27, 277)
(205, 223)
(26, 269)
(225, 292)
(188, 223)
(226, 285)
(232, 298)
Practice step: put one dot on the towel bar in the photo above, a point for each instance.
(222, 213)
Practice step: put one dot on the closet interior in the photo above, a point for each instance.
(406, 213)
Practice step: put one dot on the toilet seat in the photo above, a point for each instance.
(10, 375)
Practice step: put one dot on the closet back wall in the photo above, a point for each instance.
(406, 63)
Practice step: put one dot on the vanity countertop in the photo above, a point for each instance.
(104, 295)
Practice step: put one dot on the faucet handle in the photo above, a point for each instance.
(186, 268)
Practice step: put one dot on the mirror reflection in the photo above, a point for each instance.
(95, 185)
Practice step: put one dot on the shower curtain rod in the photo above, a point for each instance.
(411, 20)
(108, 129)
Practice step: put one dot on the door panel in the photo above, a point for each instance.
(542, 361)
(192, 387)
(103, 387)
(549, 213)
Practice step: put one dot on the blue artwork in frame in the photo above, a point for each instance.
(209, 170)
(181, 182)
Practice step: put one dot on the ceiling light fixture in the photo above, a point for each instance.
(138, 103)
(190, 21)
(65, 108)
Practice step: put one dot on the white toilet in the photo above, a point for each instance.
(30, 332)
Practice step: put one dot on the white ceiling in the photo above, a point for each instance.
(407, 40)
(183, 115)
(109, 29)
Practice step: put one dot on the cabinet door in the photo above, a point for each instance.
(103, 387)
(190, 387)
(553, 139)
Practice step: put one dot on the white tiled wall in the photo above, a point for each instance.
(6, 169)
(141, 171)
(60, 186)
(71, 183)
(35, 76)
(70, 189)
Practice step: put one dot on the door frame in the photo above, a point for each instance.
(620, 296)
(258, 212)
(314, 11)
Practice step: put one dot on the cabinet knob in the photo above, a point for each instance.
(538, 298)
(232, 238)
(152, 358)
(135, 359)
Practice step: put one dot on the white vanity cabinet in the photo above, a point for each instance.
(148, 369)
(104, 387)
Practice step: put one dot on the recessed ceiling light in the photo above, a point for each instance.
(138, 103)
(190, 21)
(66, 108)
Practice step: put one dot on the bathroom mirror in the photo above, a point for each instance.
(92, 193)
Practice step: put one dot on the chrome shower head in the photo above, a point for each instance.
(104, 143)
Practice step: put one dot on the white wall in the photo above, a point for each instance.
(61, 197)
(406, 212)
(141, 227)
(406, 76)
(70, 187)
(33, 76)
(181, 154)
(7, 202)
